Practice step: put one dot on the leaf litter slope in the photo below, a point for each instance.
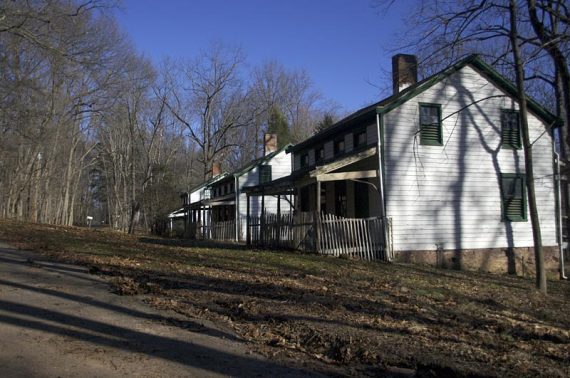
(362, 317)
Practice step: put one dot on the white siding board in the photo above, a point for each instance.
(450, 195)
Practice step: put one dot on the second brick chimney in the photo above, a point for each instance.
(404, 71)
(269, 143)
(216, 169)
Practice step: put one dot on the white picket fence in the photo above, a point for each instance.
(291, 231)
(326, 234)
(221, 231)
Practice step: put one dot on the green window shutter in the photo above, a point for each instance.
(264, 174)
(430, 125)
(513, 197)
(510, 130)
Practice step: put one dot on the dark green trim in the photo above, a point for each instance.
(423, 139)
(383, 158)
(483, 68)
(540, 111)
(509, 146)
(504, 217)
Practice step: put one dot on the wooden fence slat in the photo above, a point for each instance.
(362, 238)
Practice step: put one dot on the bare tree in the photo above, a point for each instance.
(495, 30)
(208, 97)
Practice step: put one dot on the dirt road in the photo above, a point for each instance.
(58, 320)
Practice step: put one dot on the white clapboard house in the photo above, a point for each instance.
(224, 207)
(445, 180)
(195, 211)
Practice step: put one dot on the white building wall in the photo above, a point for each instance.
(280, 167)
(450, 195)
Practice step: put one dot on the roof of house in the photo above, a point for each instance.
(208, 182)
(391, 102)
(254, 163)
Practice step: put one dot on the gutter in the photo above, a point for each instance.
(379, 132)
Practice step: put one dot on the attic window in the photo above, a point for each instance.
(510, 130)
(513, 197)
(339, 146)
(320, 154)
(264, 174)
(359, 138)
(430, 125)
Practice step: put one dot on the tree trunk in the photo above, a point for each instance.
(527, 146)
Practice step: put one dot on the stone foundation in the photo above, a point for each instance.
(518, 261)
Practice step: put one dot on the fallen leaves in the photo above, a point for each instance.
(346, 313)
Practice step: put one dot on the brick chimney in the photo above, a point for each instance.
(269, 143)
(404, 71)
(216, 169)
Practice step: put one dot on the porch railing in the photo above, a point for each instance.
(362, 238)
(291, 231)
(223, 231)
(326, 234)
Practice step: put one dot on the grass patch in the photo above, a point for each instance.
(353, 314)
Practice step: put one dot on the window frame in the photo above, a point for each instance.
(338, 152)
(304, 159)
(508, 146)
(355, 136)
(428, 142)
(524, 216)
(317, 158)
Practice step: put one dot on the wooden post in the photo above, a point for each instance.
(279, 220)
(248, 231)
(317, 217)
(201, 230)
(262, 219)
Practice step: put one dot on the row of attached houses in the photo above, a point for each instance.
(434, 173)
(218, 209)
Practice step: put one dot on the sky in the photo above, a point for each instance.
(344, 45)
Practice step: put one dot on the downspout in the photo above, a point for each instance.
(387, 246)
(559, 211)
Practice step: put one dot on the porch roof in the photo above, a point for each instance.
(228, 199)
(283, 185)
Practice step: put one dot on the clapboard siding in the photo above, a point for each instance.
(450, 195)
(280, 167)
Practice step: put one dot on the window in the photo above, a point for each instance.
(513, 197)
(208, 193)
(510, 130)
(339, 146)
(264, 174)
(359, 138)
(320, 154)
(305, 160)
(430, 125)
